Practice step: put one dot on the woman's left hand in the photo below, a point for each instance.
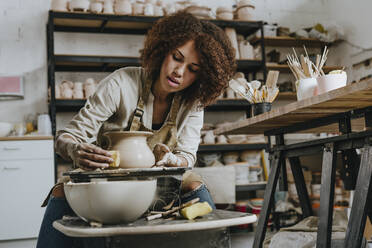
(164, 157)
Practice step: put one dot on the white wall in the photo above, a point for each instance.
(356, 19)
(23, 43)
(23, 52)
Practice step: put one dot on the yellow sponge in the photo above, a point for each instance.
(116, 157)
(195, 210)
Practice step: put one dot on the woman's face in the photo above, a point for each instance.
(180, 68)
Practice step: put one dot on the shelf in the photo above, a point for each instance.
(231, 147)
(285, 68)
(249, 65)
(99, 63)
(229, 104)
(251, 187)
(92, 63)
(287, 96)
(67, 105)
(125, 24)
(286, 41)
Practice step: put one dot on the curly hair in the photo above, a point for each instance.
(217, 56)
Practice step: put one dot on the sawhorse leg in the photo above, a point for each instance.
(302, 193)
(268, 199)
(326, 197)
(359, 209)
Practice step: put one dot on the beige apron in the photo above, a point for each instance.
(167, 134)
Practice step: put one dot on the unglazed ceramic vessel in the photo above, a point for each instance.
(96, 7)
(244, 12)
(123, 7)
(133, 148)
(108, 7)
(138, 8)
(110, 202)
(79, 5)
(89, 87)
(59, 5)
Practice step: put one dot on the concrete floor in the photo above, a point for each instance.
(238, 240)
(242, 240)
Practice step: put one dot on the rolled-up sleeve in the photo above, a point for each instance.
(189, 137)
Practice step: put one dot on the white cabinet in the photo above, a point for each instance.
(26, 176)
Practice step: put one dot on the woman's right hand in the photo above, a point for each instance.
(89, 156)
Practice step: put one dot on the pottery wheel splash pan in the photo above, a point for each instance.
(124, 174)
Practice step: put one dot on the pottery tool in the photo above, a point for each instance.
(254, 91)
(196, 210)
(243, 88)
(171, 211)
(272, 79)
(116, 157)
(304, 68)
(240, 89)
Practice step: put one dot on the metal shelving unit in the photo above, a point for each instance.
(251, 187)
(231, 147)
(287, 41)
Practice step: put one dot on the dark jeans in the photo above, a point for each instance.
(58, 207)
(48, 236)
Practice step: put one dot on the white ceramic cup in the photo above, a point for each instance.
(306, 88)
(241, 173)
(123, 7)
(209, 137)
(44, 125)
(254, 174)
(137, 8)
(78, 94)
(221, 139)
(209, 158)
(230, 157)
(331, 82)
(59, 5)
(96, 7)
(158, 10)
(108, 7)
(245, 50)
(148, 9)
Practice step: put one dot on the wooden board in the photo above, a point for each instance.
(285, 67)
(14, 138)
(218, 218)
(286, 41)
(355, 96)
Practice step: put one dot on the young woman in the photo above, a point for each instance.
(186, 65)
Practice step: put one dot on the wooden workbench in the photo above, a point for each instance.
(346, 112)
(355, 96)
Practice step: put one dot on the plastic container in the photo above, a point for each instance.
(306, 88)
(260, 108)
(331, 82)
(44, 126)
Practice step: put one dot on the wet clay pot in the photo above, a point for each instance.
(133, 148)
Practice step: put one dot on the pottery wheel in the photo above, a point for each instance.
(124, 174)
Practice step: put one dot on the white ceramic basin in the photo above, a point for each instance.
(110, 202)
(5, 128)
